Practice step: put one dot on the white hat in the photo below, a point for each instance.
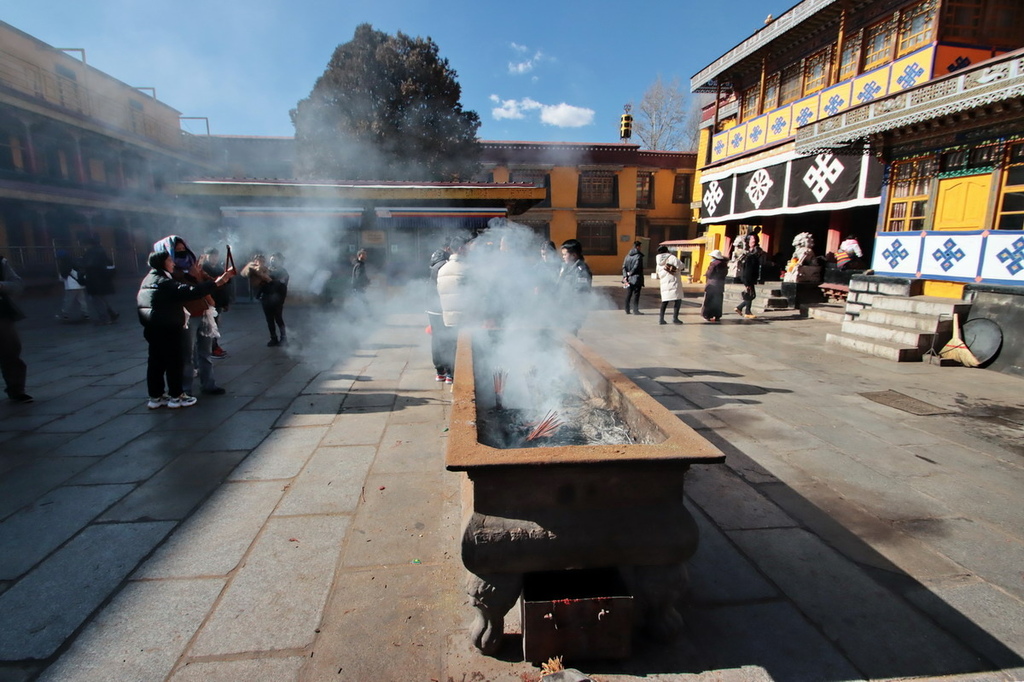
(717, 255)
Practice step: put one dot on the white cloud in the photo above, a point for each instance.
(566, 115)
(559, 115)
(520, 48)
(526, 66)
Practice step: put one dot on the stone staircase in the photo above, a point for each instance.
(897, 327)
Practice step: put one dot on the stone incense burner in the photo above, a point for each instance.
(529, 509)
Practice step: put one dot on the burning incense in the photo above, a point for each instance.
(499, 386)
(547, 427)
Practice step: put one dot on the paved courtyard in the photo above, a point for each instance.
(303, 527)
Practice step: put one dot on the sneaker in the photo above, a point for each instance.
(750, 317)
(439, 377)
(156, 403)
(677, 321)
(273, 342)
(21, 398)
(216, 390)
(219, 352)
(449, 380)
(183, 400)
(738, 311)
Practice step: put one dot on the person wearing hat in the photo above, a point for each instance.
(714, 287)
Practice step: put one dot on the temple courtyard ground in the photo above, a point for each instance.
(303, 526)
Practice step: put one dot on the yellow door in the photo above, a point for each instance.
(961, 202)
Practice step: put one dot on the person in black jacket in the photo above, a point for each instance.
(12, 366)
(99, 281)
(750, 275)
(160, 303)
(633, 277)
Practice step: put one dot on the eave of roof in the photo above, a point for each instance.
(706, 79)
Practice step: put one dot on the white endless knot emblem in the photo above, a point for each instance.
(825, 171)
(712, 196)
(757, 188)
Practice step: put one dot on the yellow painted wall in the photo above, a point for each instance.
(960, 203)
(32, 67)
(943, 289)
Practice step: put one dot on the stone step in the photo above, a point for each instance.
(828, 312)
(881, 349)
(914, 338)
(920, 305)
(925, 323)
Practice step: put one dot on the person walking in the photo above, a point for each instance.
(74, 290)
(360, 281)
(99, 281)
(749, 268)
(160, 301)
(441, 337)
(714, 287)
(453, 298)
(12, 366)
(666, 271)
(633, 277)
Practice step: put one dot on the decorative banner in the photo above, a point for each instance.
(993, 257)
(897, 253)
(822, 182)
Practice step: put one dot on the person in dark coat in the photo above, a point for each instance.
(750, 275)
(360, 281)
(99, 281)
(161, 301)
(714, 287)
(633, 277)
(12, 366)
(574, 283)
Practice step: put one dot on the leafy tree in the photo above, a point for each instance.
(386, 108)
(666, 120)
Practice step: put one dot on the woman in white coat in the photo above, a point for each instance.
(666, 270)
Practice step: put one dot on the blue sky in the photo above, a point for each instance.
(532, 70)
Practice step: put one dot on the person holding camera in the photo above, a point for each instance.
(667, 272)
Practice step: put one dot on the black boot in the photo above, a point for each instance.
(664, 307)
(675, 313)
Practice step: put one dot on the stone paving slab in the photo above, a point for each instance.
(34, 479)
(140, 635)
(177, 489)
(250, 670)
(242, 431)
(733, 506)
(215, 539)
(37, 530)
(282, 454)
(330, 483)
(138, 460)
(809, 573)
(275, 599)
(44, 608)
(107, 437)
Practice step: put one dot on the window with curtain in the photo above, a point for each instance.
(598, 189)
(1011, 194)
(908, 203)
(751, 102)
(916, 26)
(849, 57)
(644, 189)
(789, 87)
(878, 41)
(597, 236)
(816, 69)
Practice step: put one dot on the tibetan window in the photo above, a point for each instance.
(908, 202)
(681, 189)
(878, 40)
(751, 101)
(598, 189)
(816, 68)
(789, 88)
(916, 26)
(1011, 194)
(597, 237)
(771, 93)
(644, 189)
(849, 58)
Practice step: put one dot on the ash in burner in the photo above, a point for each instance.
(575, 423)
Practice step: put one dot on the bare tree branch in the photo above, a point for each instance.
(665, 119)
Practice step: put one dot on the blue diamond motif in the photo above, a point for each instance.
(1014, 260)
(736, 141)
(871, 89)
(949, 255)
(755, 133)
(778, 125)
(960, 63)
(910, 75)
(719, 146)
(804, 116)
(895, 253)
(835, 102)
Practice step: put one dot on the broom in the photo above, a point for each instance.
(956, 349)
